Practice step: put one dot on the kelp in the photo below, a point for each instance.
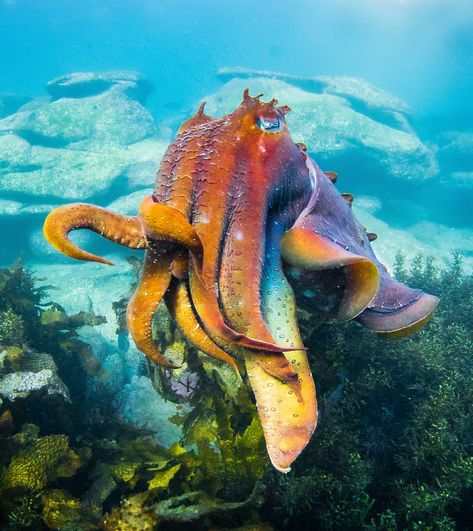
(392, 449)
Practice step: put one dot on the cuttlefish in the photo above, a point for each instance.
(241, 223)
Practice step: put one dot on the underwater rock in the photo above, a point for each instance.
(460, 181)
(366, 151)
(77, 146)
(46, 172)
(428, 239)
(127, 204)
(16, 208)
(141, 405)
(455, 182)
(88, 287)
(446, 240)
(110, 118)
(17, 385)
(84, 84)
(455, 151)
(369, 203)
(362, 95)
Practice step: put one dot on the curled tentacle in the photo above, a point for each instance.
(154, 283)
(164, 223)
(124, 230)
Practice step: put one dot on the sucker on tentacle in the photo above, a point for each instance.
(125, 230)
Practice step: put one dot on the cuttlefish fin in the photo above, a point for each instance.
(398, 311)
(305, 249)
(124, 230)
(181, 309)
(155, 281)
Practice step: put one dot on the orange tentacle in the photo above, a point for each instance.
(164, 223)
(142, 306)
(181, 310)
(124, 230)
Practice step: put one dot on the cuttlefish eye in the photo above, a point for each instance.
(270, 124)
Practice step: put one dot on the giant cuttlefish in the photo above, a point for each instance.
(239, 217)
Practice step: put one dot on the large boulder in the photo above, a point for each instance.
(455, 151)
(370, 154)
(372, 101)
(82, 84)
(60, 174)
(426, 238)
(79, 144)
(110, 117)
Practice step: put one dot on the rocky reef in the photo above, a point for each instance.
(90, 137)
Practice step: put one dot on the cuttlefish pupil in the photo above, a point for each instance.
(240, 225)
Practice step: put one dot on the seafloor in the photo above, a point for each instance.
(92, 436)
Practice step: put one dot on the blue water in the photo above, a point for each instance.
(409, 166)
(420, 50)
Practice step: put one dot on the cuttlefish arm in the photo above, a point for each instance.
(288, 412)
(327, 237)
(124, 230)
(155, 280)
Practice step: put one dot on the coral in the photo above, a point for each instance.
(26, 384)
(130, 515)
(37, 465)
(59, 509)
(13, 358)
(12, 328)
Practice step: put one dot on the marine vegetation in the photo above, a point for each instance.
(393, 448)
(240, 213)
